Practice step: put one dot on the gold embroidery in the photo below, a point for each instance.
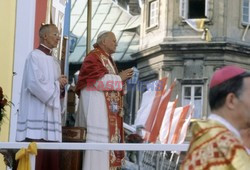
(106, 63)
(114, 100)
(115, 120)
(116, 138)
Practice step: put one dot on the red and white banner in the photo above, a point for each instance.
(183, 132)
(155, 105)
(167, 121)
(149, 98)
(180, 122)
(154, 132)
(160, 118)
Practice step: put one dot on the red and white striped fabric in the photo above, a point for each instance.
(155, 130)
(155, 105)
(167, 121)
(150, 98)
(180, 122)
(183, 132)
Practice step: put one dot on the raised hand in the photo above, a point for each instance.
(63, 80)
(126, 74)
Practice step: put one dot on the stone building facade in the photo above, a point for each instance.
(169, 45)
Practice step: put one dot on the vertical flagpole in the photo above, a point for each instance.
(177, 161)
(66, 32)
(131, 104)
(170, 160)
(89, 16)
(160, 74)
(48, 12)
(163, 158)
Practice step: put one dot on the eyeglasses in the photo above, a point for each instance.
(56, 34)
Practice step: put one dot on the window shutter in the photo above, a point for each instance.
(183, 9)
(209, 9)
(245, 12)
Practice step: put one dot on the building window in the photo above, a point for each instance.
(245, 12)
(194, 9)
(193, 94)
(153, 13)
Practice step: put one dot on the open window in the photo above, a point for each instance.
(153, 12)
(193, 94)
(194, 9)
(245, 12)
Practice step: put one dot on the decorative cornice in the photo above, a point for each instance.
(193, 81)
(196, 48)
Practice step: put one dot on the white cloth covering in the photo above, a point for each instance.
(92, 114)
(39, 114)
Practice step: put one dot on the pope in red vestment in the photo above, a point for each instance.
(100, 89)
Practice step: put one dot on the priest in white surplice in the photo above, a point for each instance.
(100, 89)
(39, 117)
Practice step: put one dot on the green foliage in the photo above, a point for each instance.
(3, 102)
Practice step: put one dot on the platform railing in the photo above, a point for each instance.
(94, 146)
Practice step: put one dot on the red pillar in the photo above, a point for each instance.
(40, 17)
